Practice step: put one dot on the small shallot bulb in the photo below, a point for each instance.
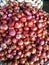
(40, 21)
(10, 63)
(35, 28)
(29, 18)
(4, 27)
(33, 45)
(3, 45)
(42, 61)
(25, 35)
(18, 25)
(40, 47)
(41, 12)
(9, 51)
(4, 34)
(33, 58)
(4, 16)
(48, 39)
(9, 56)
(3, 58)
(21, 47)
(30, 24)
(37, 59)
(13, 47)
(17, 57)
(46, 47)
(37, 63)
(19, 53)
(40, 25)
(34, 11)
(26, 43)
(19, 16)
(40, 30)
(33, 38)
(18, 36)
(38, 53)
(9, 15)
(41, 17)
(26, 63)
(20, 43)
(31, 63)
(1, 54)
(48, 55)
(42, 42)
(35, 21)
(15, 63)
(33, 50)
(26, 28)
(14, 40)
(43, 54)
(40, 35)
(12, 32)
(27, 54)
(0, 49)
(21, 29)
(45, 59)
(14, 52)
(32, 33)
(29, 47)
(11, 24)
(8, 41)
(16, 19)
(27, 12)
(22, 61)
(22, 55)
(23, 19)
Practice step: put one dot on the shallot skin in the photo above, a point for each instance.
(24, 35)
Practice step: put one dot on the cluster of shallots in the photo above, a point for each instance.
(24, 38)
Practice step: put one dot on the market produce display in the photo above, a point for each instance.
(24, 34)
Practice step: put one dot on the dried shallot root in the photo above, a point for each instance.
(24, 35)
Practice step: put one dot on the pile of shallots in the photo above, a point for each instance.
(24, 35)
